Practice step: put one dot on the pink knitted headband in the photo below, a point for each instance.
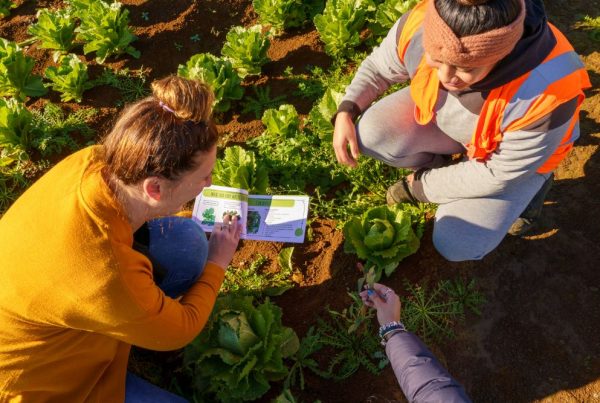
(469, 51)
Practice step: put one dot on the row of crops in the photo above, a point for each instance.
(244, 349)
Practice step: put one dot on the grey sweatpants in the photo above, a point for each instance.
(464, 229)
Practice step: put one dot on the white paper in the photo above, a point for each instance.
(263, 217)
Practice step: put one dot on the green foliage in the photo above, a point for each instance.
(241, 350)
(247, 49)
(383, 236)
(17, 129)
(352, 336)
(54, 29)
(208, 216)
(70, 78)
(340, 24)
(5, 7)
(280, 14)
(55, 128)
(16, 78)
(283, 122)
(257, 105)
(388, 13)
(12, 181)
(319, 118)
(253, 280)
(592, 25)
(432, 313)
(104, 28)
(241, 169)
(219, 74)
(130, 83)
(309, 345)
(465, 295)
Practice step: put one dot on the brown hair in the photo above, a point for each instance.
(160, 135)
(472, 17)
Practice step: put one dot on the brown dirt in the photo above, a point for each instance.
(538, 338)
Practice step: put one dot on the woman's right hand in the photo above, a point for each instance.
(344, 136)
(224, 240)
(385, 301)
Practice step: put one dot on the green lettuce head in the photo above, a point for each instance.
(384, 235)
(240, 350)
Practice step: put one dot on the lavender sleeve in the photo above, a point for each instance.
(421, 376)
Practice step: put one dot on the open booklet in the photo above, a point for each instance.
(263, 218)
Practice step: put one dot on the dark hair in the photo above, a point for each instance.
(471, 17)
(160, 135)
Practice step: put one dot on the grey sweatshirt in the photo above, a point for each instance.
(421, 376)
(519, 154)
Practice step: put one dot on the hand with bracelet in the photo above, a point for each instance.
(388, 306)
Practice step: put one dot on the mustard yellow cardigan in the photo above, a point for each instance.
(74, 295)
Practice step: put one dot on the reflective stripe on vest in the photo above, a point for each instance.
(560, 78)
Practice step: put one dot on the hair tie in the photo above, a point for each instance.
(166, 107)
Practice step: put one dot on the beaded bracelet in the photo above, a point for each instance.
(383, 329)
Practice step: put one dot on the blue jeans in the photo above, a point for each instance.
(179, 245)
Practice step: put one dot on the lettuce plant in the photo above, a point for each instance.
(70, 78)
(241, 169)
(340, 24)
(388, 13)
(241, 350)
(322, 112)
(280, 14)
(104, 28)
(384, 235)
(5, 7)
(16, 78)
(16, 125)
(218, 73)
(282, 122)
(54, 30)
(247, 49)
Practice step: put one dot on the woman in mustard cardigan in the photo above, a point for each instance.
(78, 288)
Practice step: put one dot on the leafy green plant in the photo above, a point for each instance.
(208, 216)
(16, 77)
(465, 295)
(283, 122)
(383, 236)
(430, 313)
(104, 28)
(70, 78)
(592, 25)
(253, 280)
(309, 345)
(280, 14)
(247, 49)
(219, 74)
(130, 83)
(253, 222)
(351, 334)
(17, 129)
(262, 101)
(388, 13)
(319, 117)
(241, 169)
(241, 350)
(340, 24)
(57, 130)
(5, 7)
(54, 29)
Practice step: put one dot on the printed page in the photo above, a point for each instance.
(276, 218)
(215, 201)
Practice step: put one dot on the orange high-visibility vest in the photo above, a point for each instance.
(512, 106)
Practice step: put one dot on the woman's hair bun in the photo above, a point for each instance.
(472, 2)
(188, 99)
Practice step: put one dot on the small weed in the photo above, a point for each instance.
(261, 102)
(309, 345)
(592, 25)
(145, 16)
(195, 38)
(130, 83)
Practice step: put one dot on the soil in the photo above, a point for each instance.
(538, 336)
